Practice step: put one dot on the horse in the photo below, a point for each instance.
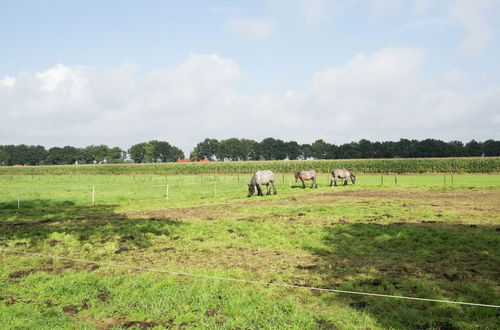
(260, 178)
(307, 175)
(342, 174)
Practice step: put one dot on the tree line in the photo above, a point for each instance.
(234, 149)
(146, 152)
(276, 149)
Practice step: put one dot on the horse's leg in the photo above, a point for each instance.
(274, 188)
(331, 181)
(259, 190)
(268, 189)
(303, 184)
(335, 181)
(314, 185)
(345, 181)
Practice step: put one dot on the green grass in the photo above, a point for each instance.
(415, 238)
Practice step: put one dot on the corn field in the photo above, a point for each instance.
(399, 166)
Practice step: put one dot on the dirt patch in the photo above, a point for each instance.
(122, 249)
(21, 273)
(140, 324)
(104, 295)
(70, 309)
(106, 323)
(467, 202)
(410, 194)
(147, 324)
(127, 238)
(306, 267)
(210, 212)
(255, 260)
(359, 304)
(324, 324)
(211, 313)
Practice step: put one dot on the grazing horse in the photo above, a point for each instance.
(307, 175)
(260, 178)
(342, 174)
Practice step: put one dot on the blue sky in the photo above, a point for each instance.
(121, 72)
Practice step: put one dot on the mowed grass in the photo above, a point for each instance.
(421, 237)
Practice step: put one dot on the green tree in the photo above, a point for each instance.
(175, 154)
(231, 149)
(250, 149)
(456, 149)
(491, 148)
(162, 151)
(86, 155)
(209, 148)
(100, 153)
(349, 151)
(138, 152)
(332, 151)
(319, 149)
(55, 156)
(474, 148)
(405, 148)
(305, 151)
(431, 148)
(365, 148)
(292, 150)
(115, 155)
(37, 155)
(3, 156)
(273, 149)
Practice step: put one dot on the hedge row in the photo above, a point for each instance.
(421, 165)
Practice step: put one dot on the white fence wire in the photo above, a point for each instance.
(107, 264)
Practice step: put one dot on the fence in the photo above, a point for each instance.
(31, 192)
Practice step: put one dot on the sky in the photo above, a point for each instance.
(124, 72)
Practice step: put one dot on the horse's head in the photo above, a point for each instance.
(353, 178)
(297, 176)
(251, 189)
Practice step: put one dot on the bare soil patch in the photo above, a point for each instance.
(414, 194)
(471, 202)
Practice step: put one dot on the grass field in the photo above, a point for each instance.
(422, 236)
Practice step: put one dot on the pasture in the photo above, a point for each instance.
(429, 236)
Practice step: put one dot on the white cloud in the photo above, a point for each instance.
(7, 82)
(376, 96)
(251, 27)
(472, 16)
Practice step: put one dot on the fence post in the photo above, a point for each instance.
(93, 195)
(444, 180)
(395, 179)
(452, 179)
(381, 180)
(215, 188)
(18, 201)
(290, 183)
(167, 191)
